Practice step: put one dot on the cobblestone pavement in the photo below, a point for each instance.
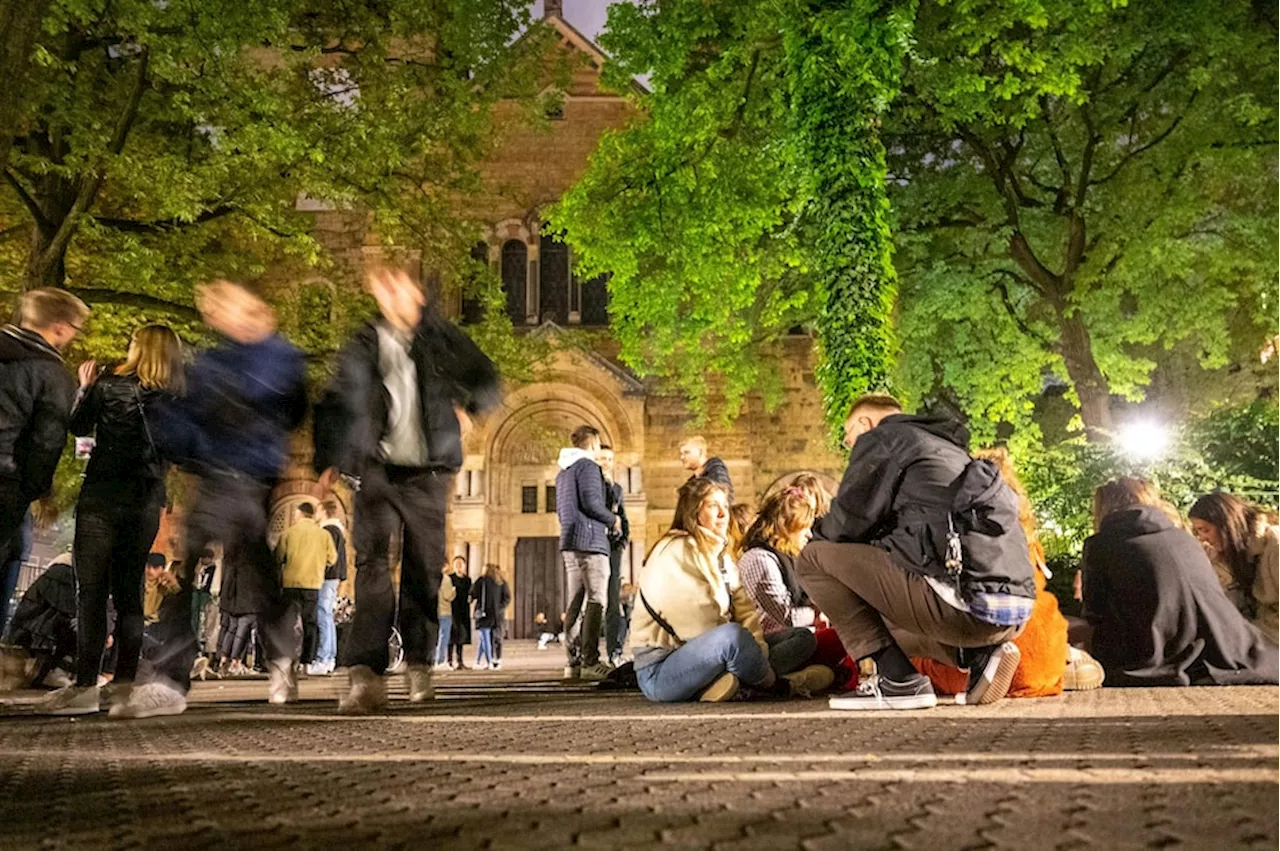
(513, 759)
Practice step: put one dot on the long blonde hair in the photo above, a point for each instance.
(155, 357)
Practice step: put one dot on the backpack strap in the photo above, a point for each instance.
(658, 619)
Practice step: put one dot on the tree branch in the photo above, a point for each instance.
(33, 206)
(1003, 289)
(1141, 149)
(165, 225)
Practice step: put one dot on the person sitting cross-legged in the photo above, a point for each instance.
(920, 553)
(695, 631)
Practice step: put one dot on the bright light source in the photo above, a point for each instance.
(1143, 440)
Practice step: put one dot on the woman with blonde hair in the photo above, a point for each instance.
(1159, 616)
(695, 630)
(118, 513)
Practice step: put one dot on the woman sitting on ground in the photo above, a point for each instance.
(1245, 551)
(1159, 616)
(694, 630)
(1048, 665)
(791, 626)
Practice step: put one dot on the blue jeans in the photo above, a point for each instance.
(327, 644)
(690, 668)
(442, 643)
(484, 645)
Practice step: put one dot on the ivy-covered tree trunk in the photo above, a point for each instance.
(845, 62)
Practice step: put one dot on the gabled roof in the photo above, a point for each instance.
(631, 384)
(571, 34)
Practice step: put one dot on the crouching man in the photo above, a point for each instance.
(921, 554)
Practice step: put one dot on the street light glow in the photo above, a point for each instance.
(1143, 440)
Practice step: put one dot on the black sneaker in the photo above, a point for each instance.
(879, 692)
(991, 672)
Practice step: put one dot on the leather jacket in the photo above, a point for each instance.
(112, 410)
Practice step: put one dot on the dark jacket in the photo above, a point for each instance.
(351, 418)
(241, 403)
(898, 492)
(716, 471)
(1160, 616)
(615, 502)
(36, 393)
(113, 411)
(585, 518)
(461, 628)
(337, 570)
(491, 598)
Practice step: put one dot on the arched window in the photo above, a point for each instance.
(515, 279)
(472, 307)
(554, 289)
(595, 301)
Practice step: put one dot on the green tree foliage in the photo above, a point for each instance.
(160, 144)
(1079, 187)
(749, 197)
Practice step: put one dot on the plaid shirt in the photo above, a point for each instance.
(995, 609)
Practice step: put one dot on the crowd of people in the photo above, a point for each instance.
(921, 575)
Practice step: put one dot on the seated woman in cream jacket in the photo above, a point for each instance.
(695, 631)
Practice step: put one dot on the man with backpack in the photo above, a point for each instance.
(921, 554)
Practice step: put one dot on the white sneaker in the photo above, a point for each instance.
(317, 669)
(69, 700)
(58, 678)
(283, 687)
(418, 680)
(368, 692)
(149, 700)
(877, 692)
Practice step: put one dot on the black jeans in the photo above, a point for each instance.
(116, 523)
(233, 640)
(230, 508)
(306, 600)
(13, 509)
(391, 500)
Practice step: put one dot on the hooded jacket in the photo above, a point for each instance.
(581, 506)
(351, 418)
(36, 393)
(902, 484)
(1159, 615)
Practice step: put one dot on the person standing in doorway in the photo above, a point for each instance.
(614, 499)
(394, 420)
(491, 596)
(305, 552)
(460, 631)
(335, 574)
(444, 610)
(693, 457)
(585, 524)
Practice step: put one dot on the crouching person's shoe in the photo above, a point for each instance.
(419, 679)
(877, 692)
(283, 687)
(368, 692)
(807, 682)
(1084, 673)
(991, 672)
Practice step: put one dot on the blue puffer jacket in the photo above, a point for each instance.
(585, 518)
(241, 403)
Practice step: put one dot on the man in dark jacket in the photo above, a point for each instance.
(922, 546)
(693, 457)
(232, 427)
(393, 420)
(585, 525)
(36, 393)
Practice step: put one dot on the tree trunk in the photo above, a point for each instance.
(19, 27)
(1090, 384)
